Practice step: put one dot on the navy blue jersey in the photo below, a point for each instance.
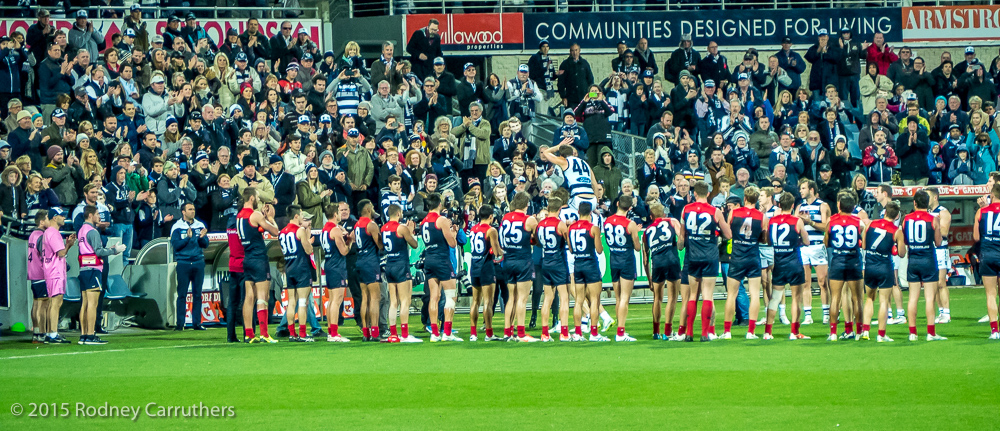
(918, 235)
(397, 251)
(701, 233)
(251, 237)
(989, 232)
(786, 242)
(619, 241)
(553, 244)
(581, 243)
(515, 237)
(879, 240)
(482, 249)
(296, 260)
(366, 244)
(747, 225)
(435, 243)
(845, 237)
(332, 259)
(662, 243)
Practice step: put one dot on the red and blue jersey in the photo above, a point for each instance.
(515, 237)
(918, 235)
(701, 232)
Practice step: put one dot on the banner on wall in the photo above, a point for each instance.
(951, 23)
(603, 30)
(473, 32)
(216, 28)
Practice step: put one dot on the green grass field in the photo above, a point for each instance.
(735, 384)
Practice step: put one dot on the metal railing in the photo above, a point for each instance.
(627, 150)
(214, 12)
(404, 7)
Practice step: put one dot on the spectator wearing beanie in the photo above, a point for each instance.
(62, 177)
(912, 147)
(173, 191)
(249, 177)
(283, 184)
(332, 175)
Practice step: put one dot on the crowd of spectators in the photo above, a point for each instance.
(152, 121)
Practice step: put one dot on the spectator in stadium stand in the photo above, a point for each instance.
(984, 157)
(823, 58)
(63, 178)
(714, 66)
(606, 172)
(683, 58)
(826, 185)
(254, 41)
(960, 171)
(385, 104)
(900, 67)
(12, 108)
(880, 53)
(56, 72)
(39, 34)
(792, 63)
(813, 154)
(541, 68)
(575, 77)
(849, 67)
(647, 174)
(871, 85)
(360, 170)
(25, 140)
(473, 136)
(12, 203)
(756, 74)
(172, 191)
(912, 147)
(123, 202)
(644, 56)
(424, 47)
(348, 90)
(432, 105)
(742, 182)
(283, 185)
(976, 84)
(312, 194)
(469, 89)
(83, 35)
(387, 68)
(717, 169)
(921, 82)
(963, 67)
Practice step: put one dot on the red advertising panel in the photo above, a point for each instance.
(951, 23)
(474, 32)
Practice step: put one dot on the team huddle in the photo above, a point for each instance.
(777, 244)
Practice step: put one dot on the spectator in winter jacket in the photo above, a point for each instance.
(283, 185)
(63, 178)
(649, 173)
(763, 139)
(474, 140)
(607, 173)
(792, 63)
(744, 157)
(824, 57)
(83, 35)
(960, 171)
(12, 197)
(158, 105)
(880, 54)
(912, 147)
(123, 202)
(571, 133)
(984, 157)
(223, 201)
(575, 76)
(879, 159)
(349, 91)
(717, 168)
(873, 83)
(57, 75)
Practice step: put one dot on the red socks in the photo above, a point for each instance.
(667, 328)
(881, 332)
(520, 331)
(262, 321)
(302, 331)
(565, 330)
(850, 327)
(578, 330)
(406, 330)
(930, 330)
(656, 329)
(621, 331)
(393, 331)
(767, 328)
(472, 330)
(333, 330)
(795, 328)
(434, 330)
(866, 327)
(726, 326)
(692, 309)
(833, 327)
(367, 332)
(706, 317)
(752, 326)
(913, 330)
(248, 332)
(508, 332)
(682, 330)
(995, 327)
(545, 330)
(291, 329)
(447, 328)
(593, 330)
(489, 332)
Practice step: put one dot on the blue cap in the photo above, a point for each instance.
(309, 166)
(325, 118)
(135, 7)
(4, 144)
(303, 119)
(59, 113)
(970, 50)
(522, 68)
(542, 42)
(354, 133)
(647, 74)
(241, 56)
(129, 32)
(81, 14)
(467, 66)
(823, 32)
(274, 159)
(413, 137)
(306, 56)
(329, 54)
(56, 211)
(201, 155)
(438, 60)
(743, 76)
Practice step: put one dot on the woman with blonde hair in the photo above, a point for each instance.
(264, 142)
(223, 72)
(495, 174)
(313, 194)
(38, 196)
(442, 132)
(90, 164)
(352, 60)
(204, 94)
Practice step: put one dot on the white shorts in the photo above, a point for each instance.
(766, 257)
(943, 259)
(813, 255)
(575, 201)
